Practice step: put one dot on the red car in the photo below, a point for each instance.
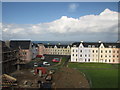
(56, 60)
(39, 56)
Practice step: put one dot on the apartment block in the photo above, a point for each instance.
(102, 52)
(54, 49)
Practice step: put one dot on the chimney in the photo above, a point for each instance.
(58, 43)
(81, 41)
(118, 41)
(99, 41)
(48, 43)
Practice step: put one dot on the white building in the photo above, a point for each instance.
(95, 52)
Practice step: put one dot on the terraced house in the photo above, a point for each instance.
(54, 49)
(95, 52)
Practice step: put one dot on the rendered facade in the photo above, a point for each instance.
(95, 52)
(54, 49)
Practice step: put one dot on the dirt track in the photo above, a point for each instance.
(69, 78)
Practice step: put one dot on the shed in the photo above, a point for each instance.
(44, 70)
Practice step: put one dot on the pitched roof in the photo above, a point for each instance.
(23, 44)
(112, 45)
(96, 44)
(58, 46)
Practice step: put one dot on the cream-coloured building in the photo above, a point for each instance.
(54, 49)
(95, 52)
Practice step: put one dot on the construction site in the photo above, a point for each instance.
(58, 75)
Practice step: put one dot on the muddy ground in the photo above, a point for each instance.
(69, 78)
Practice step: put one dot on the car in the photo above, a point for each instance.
(42, 58)
(56, 60)
(35, 64)
(46, 63)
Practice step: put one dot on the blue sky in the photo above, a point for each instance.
(33, 13)
(60, 21)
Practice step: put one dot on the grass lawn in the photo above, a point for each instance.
(100, 75)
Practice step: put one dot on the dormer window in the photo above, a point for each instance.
(114, 46)
(89, 46)
(93, 46)
(110, 46)
(74, 45)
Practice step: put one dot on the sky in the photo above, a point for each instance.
(60, 21)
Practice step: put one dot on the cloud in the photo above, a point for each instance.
(73, 7)
(87, 26)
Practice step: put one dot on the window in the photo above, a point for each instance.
(76, 50)
(109, 51)
(85, 60)
(113, 60)
(117, 56)
(76, 59)
(114, 51)
(105, 60)
(101, 51)
(105, 55)
(89, 55)
(109, 60)
(96, 51)
(106, 51)
(85, 55)
(101, 56)
(93, 51)
(24, 53)
(93, 46)
(117, 51)
(80, 50)
(73, 50)
(89, 60)
(89, 45)
(114, 46)
(74, 45)
(76, 54)
(109, 56)
(113, 55)
(73, 54)
(81, 55)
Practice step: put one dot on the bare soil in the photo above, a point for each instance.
(69, 78)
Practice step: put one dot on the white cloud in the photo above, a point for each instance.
(106, 22)
(73, 7)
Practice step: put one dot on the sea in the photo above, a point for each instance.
(54, 42)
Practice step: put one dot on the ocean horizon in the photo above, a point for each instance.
(55, 42)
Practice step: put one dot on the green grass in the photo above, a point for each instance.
(61, 63)
(100, 75)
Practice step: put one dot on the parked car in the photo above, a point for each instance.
(39, 56)
(46, 63)
(56, 60)
(42, 58)
(35, 64)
